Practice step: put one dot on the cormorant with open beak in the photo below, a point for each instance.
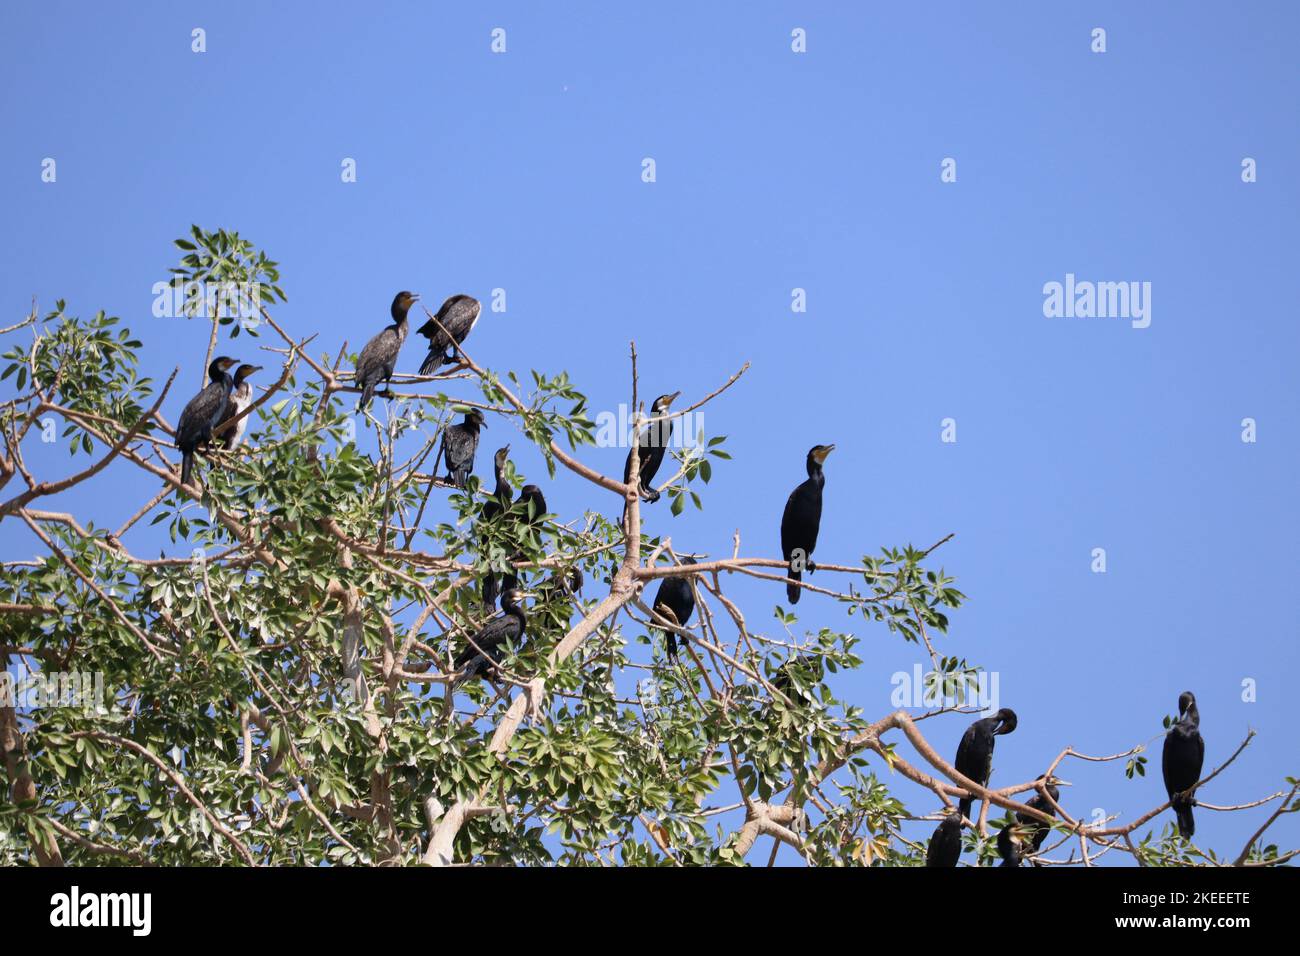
(651, 442)
(488, 645)
(496, 505)
(459, 443)
(454, 322)
(1183, 757)
(945, 843)
(241, 396)
(203, 413)
(675, 600)
(975, 752)
(802, 520)
(378, 359)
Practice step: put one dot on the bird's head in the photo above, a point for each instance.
(220, 366)
(402, 303)
(1185, 700)
(819, 453)
(663, 403)
(475, 417)
(501, 456)
(244, 371)
(1006, 718)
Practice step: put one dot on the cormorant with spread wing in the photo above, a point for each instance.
(378, 359)
(488, 645)
(651, 442)
(802, 520)
(975, 752)
(494, 506)
(241, 396)
(459, 443)
(203, 413)
(1183, 757)
(675, 600)
(454, 322)
(945, 843)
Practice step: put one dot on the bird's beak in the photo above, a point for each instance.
(672, 398)
(825, 452)
(256, 368)
(506, 449)
(415, 297)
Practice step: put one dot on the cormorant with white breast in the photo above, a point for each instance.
(203, 413)
(241, 396)
(802, 520)
(454, 322)
(378, 359)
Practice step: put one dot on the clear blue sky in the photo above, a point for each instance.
(776, 171)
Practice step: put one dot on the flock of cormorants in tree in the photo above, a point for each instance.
(226, 396)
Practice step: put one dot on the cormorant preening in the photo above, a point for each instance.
(675, 600)
(494, 506)
(802, 519)
(457, 315)
(945, 843)
(241, 396)
(203, 413)
(378, 359)
(651, 443)
(975, 752)
(1184, 754)
(460, 442)
(492, 638)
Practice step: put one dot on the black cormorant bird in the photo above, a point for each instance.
(531, 505)
(1008, 847)
(493, 637)
(1183, 757)
(378, 359)
(457, 316)
(241, 396)
(1036, 828)
(494, 506)
(783, 680)
(945, 842)
(203, 413)
(675, 600)
(975, 752)
(802, 519)
(651, 443)
(460, 442)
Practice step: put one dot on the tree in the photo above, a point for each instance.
(283, 690)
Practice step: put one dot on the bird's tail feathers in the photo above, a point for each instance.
(187, 466)
(792, 590)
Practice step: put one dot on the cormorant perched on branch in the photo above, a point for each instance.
(378, 359)
(651, 442)
(203, 413)
(945, 842)
(1036, 828)
(457, 317)
(492, 638)
(494, 506)
(1008, 848)
(675, 600)
(531, 506)
(975, 752)
(241, 396)
(1182, 760)
(802, 520)
(460, 442)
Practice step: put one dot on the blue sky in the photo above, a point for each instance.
(778, 170)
